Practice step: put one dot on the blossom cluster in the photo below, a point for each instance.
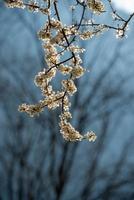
(96, 6)
(59, 40)
(15, 4)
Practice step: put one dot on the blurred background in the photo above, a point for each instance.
(35, 162)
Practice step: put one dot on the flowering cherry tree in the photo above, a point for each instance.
(62, 53)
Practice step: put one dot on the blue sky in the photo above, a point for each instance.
(126, 5)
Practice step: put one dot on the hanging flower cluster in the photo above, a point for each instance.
(63, 55)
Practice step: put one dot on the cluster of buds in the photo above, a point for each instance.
(96, 6)
(58, 42)
(15, 4)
